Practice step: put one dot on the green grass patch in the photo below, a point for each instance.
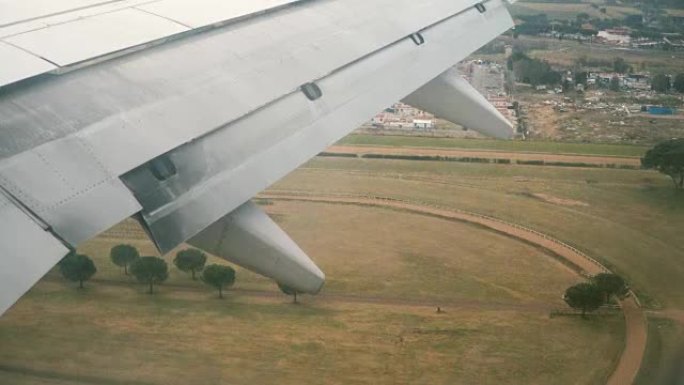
(498, 145)
(664, 342)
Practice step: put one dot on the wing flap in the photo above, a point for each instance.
(64, 183)
(27, 251)
(18, 64)
(222, 170)
(206, 12)
(95, 36)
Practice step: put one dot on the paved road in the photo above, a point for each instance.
(635, 321)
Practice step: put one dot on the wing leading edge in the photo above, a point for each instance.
(213, 168)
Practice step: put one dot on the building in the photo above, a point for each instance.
(423, 123)
(402, 115)
(618, 36)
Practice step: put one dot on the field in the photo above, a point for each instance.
(566, 53)
(665, 341)
(569, 11)
(375, 322)
(641, 60)
(627, 218)
(387, 270)
(499, 145)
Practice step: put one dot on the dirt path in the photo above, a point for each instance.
(488, 154)
(635, 322)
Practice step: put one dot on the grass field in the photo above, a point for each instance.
(664, 339)
(498, 145)
(565, 54)
(497, 293)
(569, 11)
(629, 219)
(386, 271)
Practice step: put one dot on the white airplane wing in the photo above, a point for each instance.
(178, 112)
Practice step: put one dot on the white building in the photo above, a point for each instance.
(620, 36)
(423, 123)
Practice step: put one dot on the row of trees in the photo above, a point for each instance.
(152, 270)
(532, 71)
(664, 83)
(589, 296)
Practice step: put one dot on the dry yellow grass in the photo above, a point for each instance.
(631, 221)
(113, 333)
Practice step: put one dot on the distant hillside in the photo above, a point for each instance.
(661, 3)
(637, 3)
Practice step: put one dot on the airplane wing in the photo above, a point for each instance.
(179, 112)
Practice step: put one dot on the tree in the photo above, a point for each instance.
(668, 158)
(123, 256)
(660, 83)
(583, 16)
(190, 260)
(581, 78)
(584, 296)
(150, 270)
(610, 284)
(567, 86)
(219, 276)
(614, 84)
(620, 65)
(532, 71)
(288, 291)
(77, 268)
(678, 83)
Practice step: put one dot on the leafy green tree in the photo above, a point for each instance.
(584, 296)
(678, 83)
(581, 78)
(150, 270)
(620, 65)
(123, 256)
(532, 71)
(289, 291)
(219, 276)
(668, 158)
(610, 284)
(77, 268)
(582, 17)
(190, 260)
(660, 83)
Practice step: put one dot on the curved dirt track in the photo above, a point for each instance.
(487, 154)
(635, 322)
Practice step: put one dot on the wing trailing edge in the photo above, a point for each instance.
(33, 251)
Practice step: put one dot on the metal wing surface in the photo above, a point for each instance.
(179, 112)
